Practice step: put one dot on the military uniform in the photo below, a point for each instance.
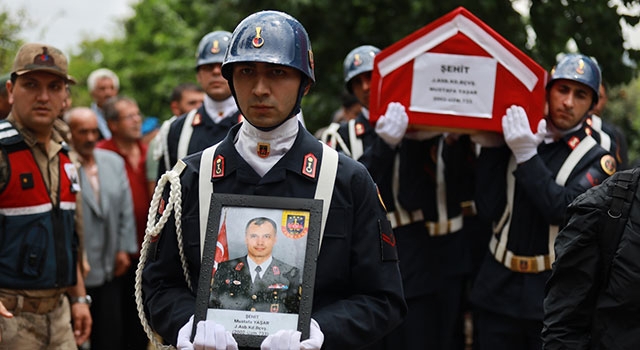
(358, 293)
(510, 283)
(433, 256)
(278, 290)
(205, 133)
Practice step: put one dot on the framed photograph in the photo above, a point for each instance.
(258, 265)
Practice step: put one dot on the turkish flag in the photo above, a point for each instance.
(222, 248)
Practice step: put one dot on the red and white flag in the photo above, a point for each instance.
(222, 248)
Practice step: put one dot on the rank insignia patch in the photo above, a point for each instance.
(359, 129)
(608, 164)
(309, 165)
(197, 120)
(218, 167)
(26, 181)
(387, 241)
(573, 142)
(263, 149)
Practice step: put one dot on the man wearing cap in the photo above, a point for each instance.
(39, 261)
(205, 126)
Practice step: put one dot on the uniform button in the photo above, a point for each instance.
(254, 297)
(253, 309)
(230, 294)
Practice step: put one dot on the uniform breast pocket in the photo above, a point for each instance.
(335, 248)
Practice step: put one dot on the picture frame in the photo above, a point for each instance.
(283, 297)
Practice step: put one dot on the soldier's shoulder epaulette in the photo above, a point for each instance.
(9, 135)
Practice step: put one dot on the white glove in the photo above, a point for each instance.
(392, 125)
(209, 336)
(288, 339)
(518, 135)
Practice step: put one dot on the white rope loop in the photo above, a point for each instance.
(153, 230)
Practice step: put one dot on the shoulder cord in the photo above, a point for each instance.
(153, 230)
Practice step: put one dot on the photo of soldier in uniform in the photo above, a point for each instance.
(256, 280)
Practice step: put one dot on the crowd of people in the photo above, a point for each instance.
(430, 239)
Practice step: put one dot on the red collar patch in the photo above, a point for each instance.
(218, 167)
(309, 165)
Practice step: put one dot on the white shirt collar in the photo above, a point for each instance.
(218, 110)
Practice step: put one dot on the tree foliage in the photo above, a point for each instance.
(10, 27)
(159, 43)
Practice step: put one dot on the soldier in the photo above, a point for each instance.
(358, 293)
(425, 179)
(257, 281)
(524, 188)
(205, 126)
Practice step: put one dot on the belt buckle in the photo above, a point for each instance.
(523, 264)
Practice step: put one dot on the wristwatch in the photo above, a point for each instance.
(82, 300)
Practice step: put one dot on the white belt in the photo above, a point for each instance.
(401, 217)
(445, 227)
(523, 264)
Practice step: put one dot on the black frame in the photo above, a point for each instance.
(217, 204)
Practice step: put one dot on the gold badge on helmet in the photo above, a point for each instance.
(215, 47)
(580, 68)
(357, 60)
(258, 41)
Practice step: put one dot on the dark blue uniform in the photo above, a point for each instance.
(433, 266)
(277, 291)
(205, 133)
(358, 292)
(509, 301)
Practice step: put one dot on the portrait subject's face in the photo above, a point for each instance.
(260, 240)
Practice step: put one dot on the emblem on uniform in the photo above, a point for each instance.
(523, 265)
(359, 129)
(580, 68)
(588, 131)
(218, 166)
(357, 60)
(72, 175)
(239, 266)
(263, 149)
(275, 270)
(258, 41)
(197, 120)
(295, 224)
(44, 59)
(26, 181)
(215, 47)
(573, 142)
(274, 307)
(589, 121)
(608, 164)
(309, 166)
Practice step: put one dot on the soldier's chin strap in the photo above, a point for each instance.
(154, 226)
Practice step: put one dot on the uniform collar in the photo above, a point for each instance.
(218, 110)
(30, 138)
(293, 161)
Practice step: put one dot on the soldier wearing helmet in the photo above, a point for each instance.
(424, 203)
(205, 126)
(526, 183)
(358, 294)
